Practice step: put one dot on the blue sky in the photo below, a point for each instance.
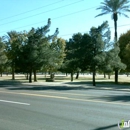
(70, 16)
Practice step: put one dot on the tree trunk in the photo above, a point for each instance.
(109, 76)
(115, 16)
(116, 76)
(94, 84)
(115, 25)
(30, 76)
(104, 75)
(66, 74)
(27, 76)
(45, 74)
(35, 76)
(1, 74)
(77, 75)
(72, 76)
(13, 74)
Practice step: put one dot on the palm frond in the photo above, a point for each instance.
(104, 8)
(124, 15)
(126, 10)
(114, 6)
(123, 2)
(102, 14)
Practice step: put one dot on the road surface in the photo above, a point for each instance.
(52, 108)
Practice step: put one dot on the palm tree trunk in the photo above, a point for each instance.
(115, 26)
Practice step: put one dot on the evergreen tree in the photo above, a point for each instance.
(98, 55)
(124, 44)
(57, 55)
(72, 60)
(36, 52)
(3, 58)
(13, 44)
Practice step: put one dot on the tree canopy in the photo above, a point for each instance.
(124, 44)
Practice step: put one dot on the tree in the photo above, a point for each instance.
(97, 47)
(3, 57)
(35, 53)
(86, 52)
(73, 50)
(13, 44)
(57, 54)
(115, 7)
(115, 61)
(124, 44)
(105, 65)
(22, 40)
(32, 54)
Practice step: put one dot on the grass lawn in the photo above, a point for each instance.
(20, 78)
(83, 82)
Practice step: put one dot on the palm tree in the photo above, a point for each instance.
(115, 7)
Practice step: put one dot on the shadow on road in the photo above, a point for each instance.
(17, 85)
(5, 83)
(57, 88)
(107, 127)
(122, 98)
(101, 84)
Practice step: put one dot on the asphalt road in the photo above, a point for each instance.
(28, 108)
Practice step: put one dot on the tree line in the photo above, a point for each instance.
(93, 52)
(34, 51)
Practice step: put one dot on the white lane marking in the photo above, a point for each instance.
(21, 103)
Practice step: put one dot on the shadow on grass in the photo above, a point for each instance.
(107, 127)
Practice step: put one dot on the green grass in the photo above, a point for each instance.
(123, 79)
(101, 82)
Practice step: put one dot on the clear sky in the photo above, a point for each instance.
(70, 16)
